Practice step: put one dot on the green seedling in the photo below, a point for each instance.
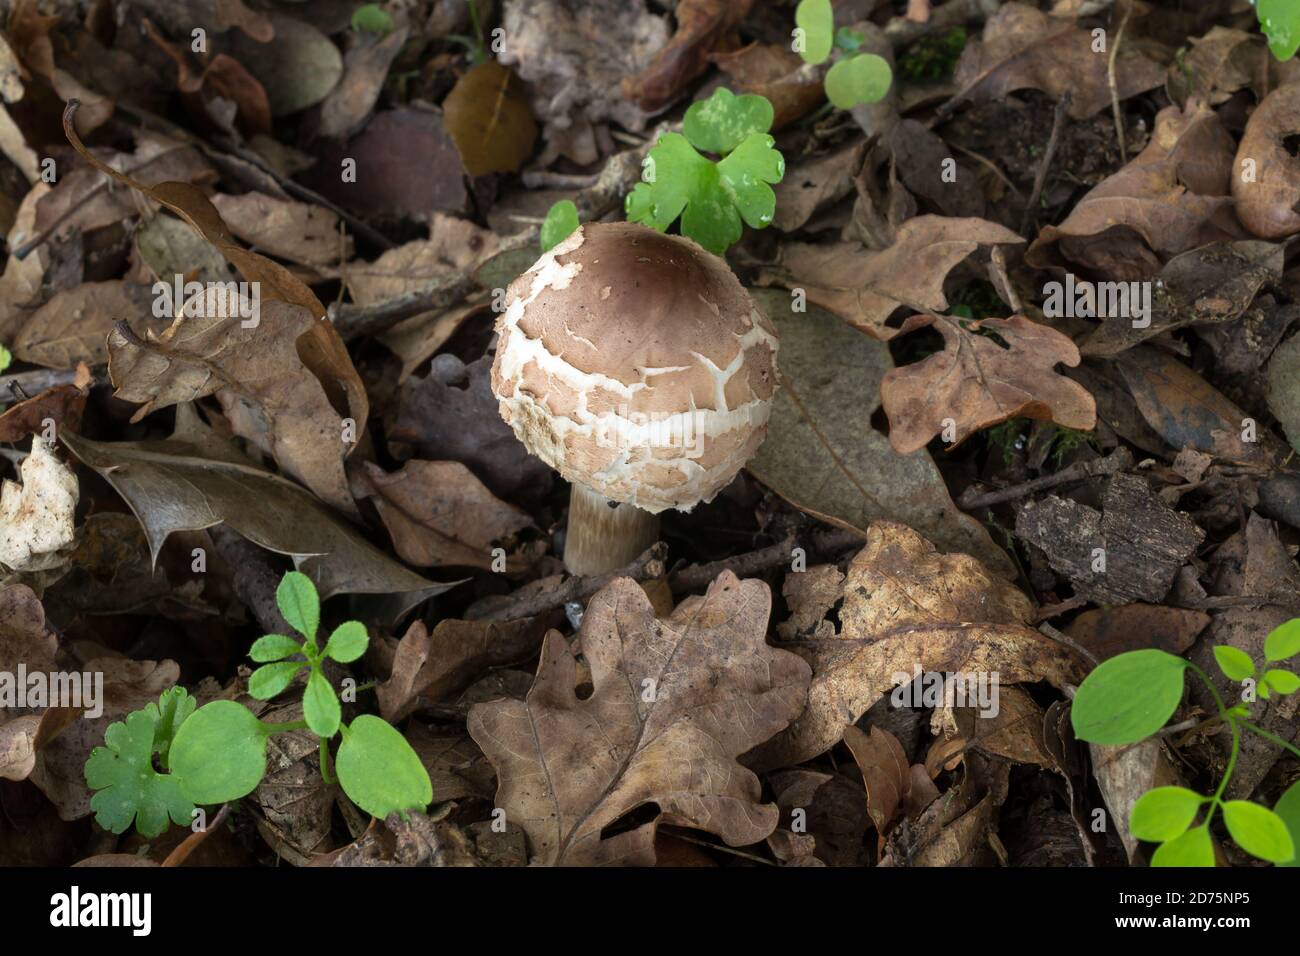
(372, 18)
(1280, 21)
(712, 198)
(933, 57)
(561, 220)
(166, 759)
(1131, 696)
(854, 77)
(6, 358)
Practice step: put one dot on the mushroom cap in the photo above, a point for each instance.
(635, 363)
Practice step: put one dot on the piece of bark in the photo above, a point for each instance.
(1131, 550)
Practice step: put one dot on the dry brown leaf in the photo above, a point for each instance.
(1266, 176)
(701, 26)
(1129, 627)
(885, 772)
(296, 231)
(365, 68)
(772, 70)
(907, 605)
(256, 373)
(37, 517)
(974, 382)
(488, 118)
(1024, 48)
(72, 327)
(1219, 64)
(865, 287)
(1172, 197)
(675, 702)
(435, 667)
(438, 513)
(62, 405)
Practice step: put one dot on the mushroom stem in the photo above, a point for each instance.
(604, 534)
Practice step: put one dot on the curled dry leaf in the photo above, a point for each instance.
(1024, 48)
(24, 640)
(975, 382)
(885, 772)
(865, 287)
(435, 667)
(365, 68)
(488, 118)
(193, 481)
(37, 517)
(297, 231)
(256, 373)
(701, 26)
(62, 405)
(906, 605)
(674, 703)
(823, 456)
(1266, 177)
(438, 513)
(573, 55)
(1172, 197)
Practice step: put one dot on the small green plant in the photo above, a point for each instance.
(1280, 21)
(372, 18)
(475, 44)
(712, 198)
(854, 77)
(932, 57)
(166, 759)
(1131, 696)
(6, 358)
(561, 220)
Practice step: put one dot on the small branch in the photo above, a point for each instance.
(1114, 90)
(902, 31)
(1040, 179)
(23, 385)
(1118, 460)
(256, 577)
(701, 575)
(1063, 638)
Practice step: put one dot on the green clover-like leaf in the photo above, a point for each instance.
(298, 602)
(864, 78)
(6, 358)
(1280, 21)
(1164, 813)
(1235, 663)
(320, 706)
(560, 222)
(379, 771)
(723, 121)
(219, 753)
(1288, 808)
(1193, 848)
(274, 647)
(348, 642)
(849, 40)
(271, 679)
(1283, 641)
(817, 21)
(745, 175)
(126, 785)
(173, 708)
(1283, 681)
(1259, 831)
(1128, 697)
(372, 18)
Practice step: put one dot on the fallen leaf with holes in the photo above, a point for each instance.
(1024, 48)
(907, 605)
(674, 703)
(1266, 177)
(1172, 197)
(489, 119)
(865, 287)
(975, 382)
(37, 516)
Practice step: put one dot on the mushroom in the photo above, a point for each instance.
(637, 366)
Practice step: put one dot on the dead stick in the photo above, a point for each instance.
(22, 385)
(1118, 460)
(701, 575)
(1114, 90)
(1040, 180)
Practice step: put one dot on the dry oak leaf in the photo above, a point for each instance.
(36, 517)
(72, 326)
(1024, 48)
(1172, 197)
(865, 287)
(975, 382)
(906, 604)
(296, 231)
(256, 373)
(1266, 183)
(675, 702)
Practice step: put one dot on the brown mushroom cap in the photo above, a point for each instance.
(636, 364)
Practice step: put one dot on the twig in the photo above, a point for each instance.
(1056, 610)
(992, 166)
(512, 607)
(1068, 641)
(701, 575)
(22, 385)
(1117, 461)
(256, 576)
(1040, 179)
(1114, 89)
(902, 31)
